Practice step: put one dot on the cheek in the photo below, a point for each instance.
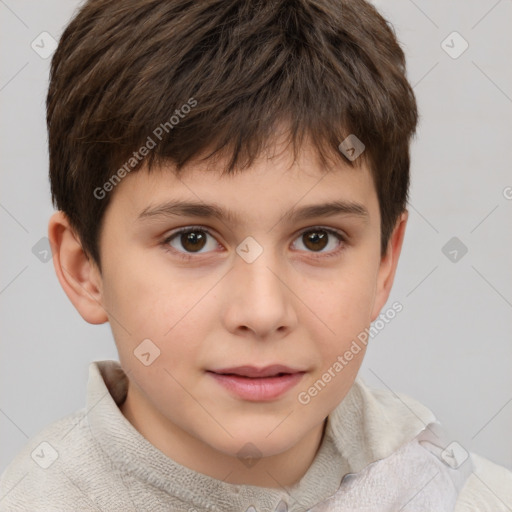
(167, 308)
(146, 296)
(346, 304)
(345, 310)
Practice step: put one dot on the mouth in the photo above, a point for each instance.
(254, 372)
(257, 384)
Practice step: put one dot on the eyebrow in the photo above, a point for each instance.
(204, 210)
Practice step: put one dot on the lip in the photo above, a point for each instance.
(258, 384)
(253, 371)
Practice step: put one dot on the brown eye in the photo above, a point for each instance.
(315, 240)
(320, 240)
(192, 241)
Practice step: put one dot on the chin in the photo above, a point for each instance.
(251, 443)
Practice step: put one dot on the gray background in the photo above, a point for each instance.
(450, 347)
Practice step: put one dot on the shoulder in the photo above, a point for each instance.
(488, 488)
(371, 423)
(54, 469)
(482, 484)
(399, 436)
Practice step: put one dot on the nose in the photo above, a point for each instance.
(260, 300)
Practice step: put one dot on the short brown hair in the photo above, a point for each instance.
(327, 68)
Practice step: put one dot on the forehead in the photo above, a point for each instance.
(272, 187)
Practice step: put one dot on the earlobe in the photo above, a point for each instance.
(77, 274)
(388, 265)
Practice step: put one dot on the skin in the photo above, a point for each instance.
(296, 304)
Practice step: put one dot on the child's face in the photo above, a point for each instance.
(300, 303)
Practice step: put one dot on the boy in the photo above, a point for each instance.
(231, 179)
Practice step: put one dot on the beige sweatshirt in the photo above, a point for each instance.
(380, 452)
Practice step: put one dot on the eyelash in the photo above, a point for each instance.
(190, 256)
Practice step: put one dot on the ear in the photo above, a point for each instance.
(79, 277)
(388, 265)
